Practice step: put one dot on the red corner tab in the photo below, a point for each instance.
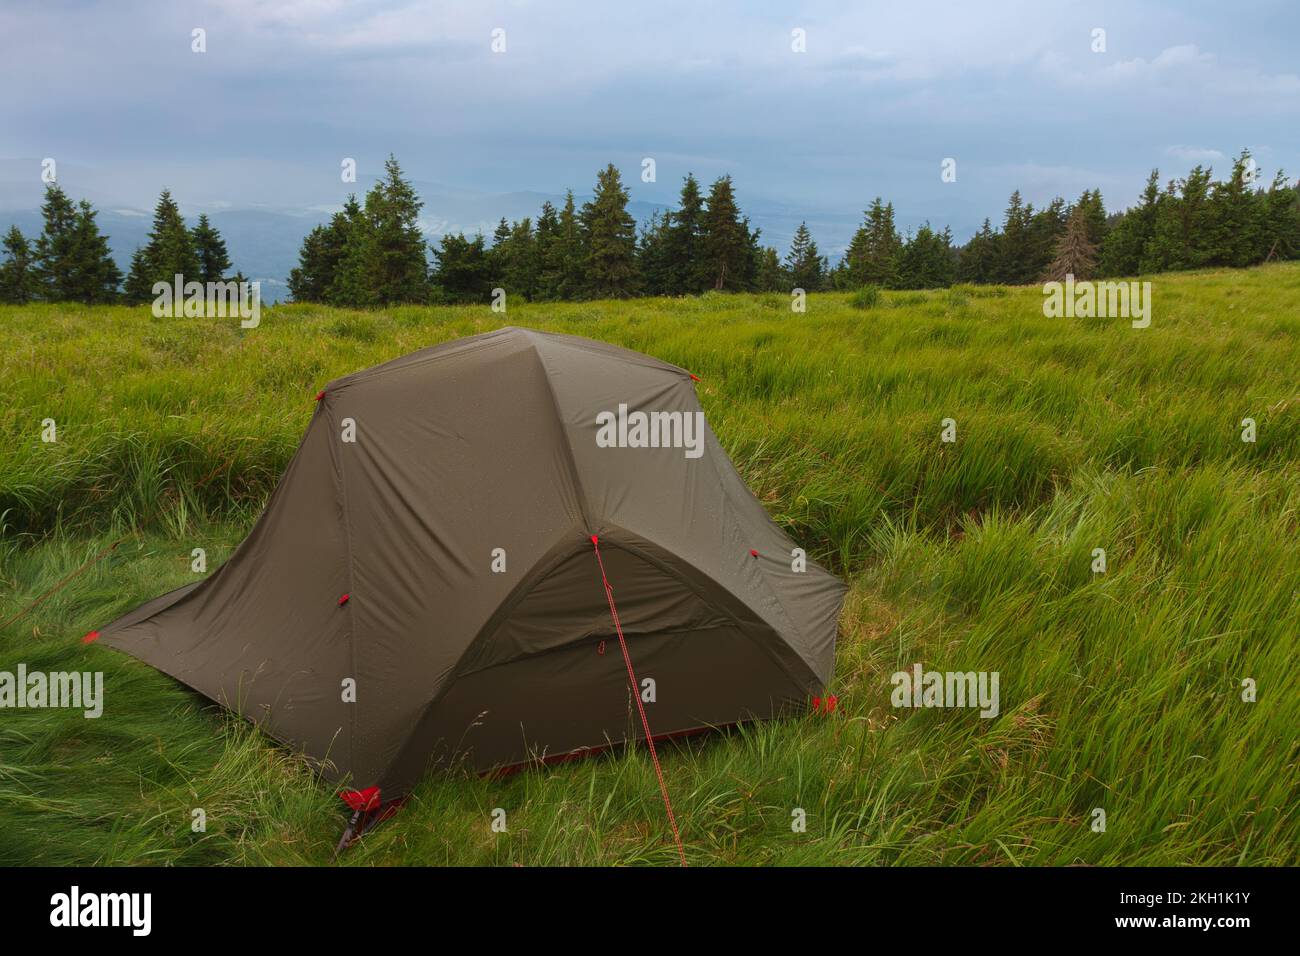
(320, 394)
(344, 599)
(753, 553)
(92, 636)
(694, 377)
(367, 799)
(825, 705)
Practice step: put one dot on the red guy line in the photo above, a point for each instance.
(636, 693)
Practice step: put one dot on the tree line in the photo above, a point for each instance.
(70, 260)
(372, 252)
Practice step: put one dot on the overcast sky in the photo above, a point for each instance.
(884, 92)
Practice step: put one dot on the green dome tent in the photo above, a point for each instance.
(428, 580)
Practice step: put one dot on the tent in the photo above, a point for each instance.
(470, 544)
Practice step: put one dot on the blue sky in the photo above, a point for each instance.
(884, 92)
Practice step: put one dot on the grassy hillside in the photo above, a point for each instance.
(1120, 690)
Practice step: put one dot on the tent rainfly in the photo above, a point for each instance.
(461, 534)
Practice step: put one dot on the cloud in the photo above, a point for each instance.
(1195, 154)
(1187, 70)
(290, 87)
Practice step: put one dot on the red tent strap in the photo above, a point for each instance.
(367, 799)
(368, 811)
(636, 694)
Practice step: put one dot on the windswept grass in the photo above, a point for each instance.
(1120, 691)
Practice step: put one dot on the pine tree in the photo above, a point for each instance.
(1127, 242)
(318, 275)
(548, 233)
(214, 260)
(652, 255)
(521, 269)
(1075, 253)
(463, 270)
(498, 252)
(978, 258)
(749, 265)
(803, 262)
(1045, 229)
(873, 254)
(54, 251)
(1281, 220)
(1238, 217)
(1094, 215)
(1183, 236)
(724, 241)
(610, 234)
(771, 275)
(568, 253)
(684, 230)
(18, 281)
(168, 252)
(94, 277)
(385, 261)
(1015, 261)
(927, 260)
(308, 280)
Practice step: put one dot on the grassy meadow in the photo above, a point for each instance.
(1120, 690)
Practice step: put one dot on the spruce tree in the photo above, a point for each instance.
(318, 275)
(1076, 254)
(803, 262)
(1238, 219)
(55, 246)
(1183, 236)
(18, 281)
(724, 241)
(771, 275)
(977, 262)
(1094, 216)
(521, 268)
(873, 254)
(1281, 220)
(610, 234)
(1045, 229)
(927, 260)
(384, 260)
(1015, 260)
(652, 255)
(1127, 242)
(462, 268)
(168, 252)
(94, 277)
(307, 280)
(499, 251)
(548, 232)
(568, 253)
(214, 260)
(683, 230)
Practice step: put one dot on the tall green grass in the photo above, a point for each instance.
(1120, 691)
